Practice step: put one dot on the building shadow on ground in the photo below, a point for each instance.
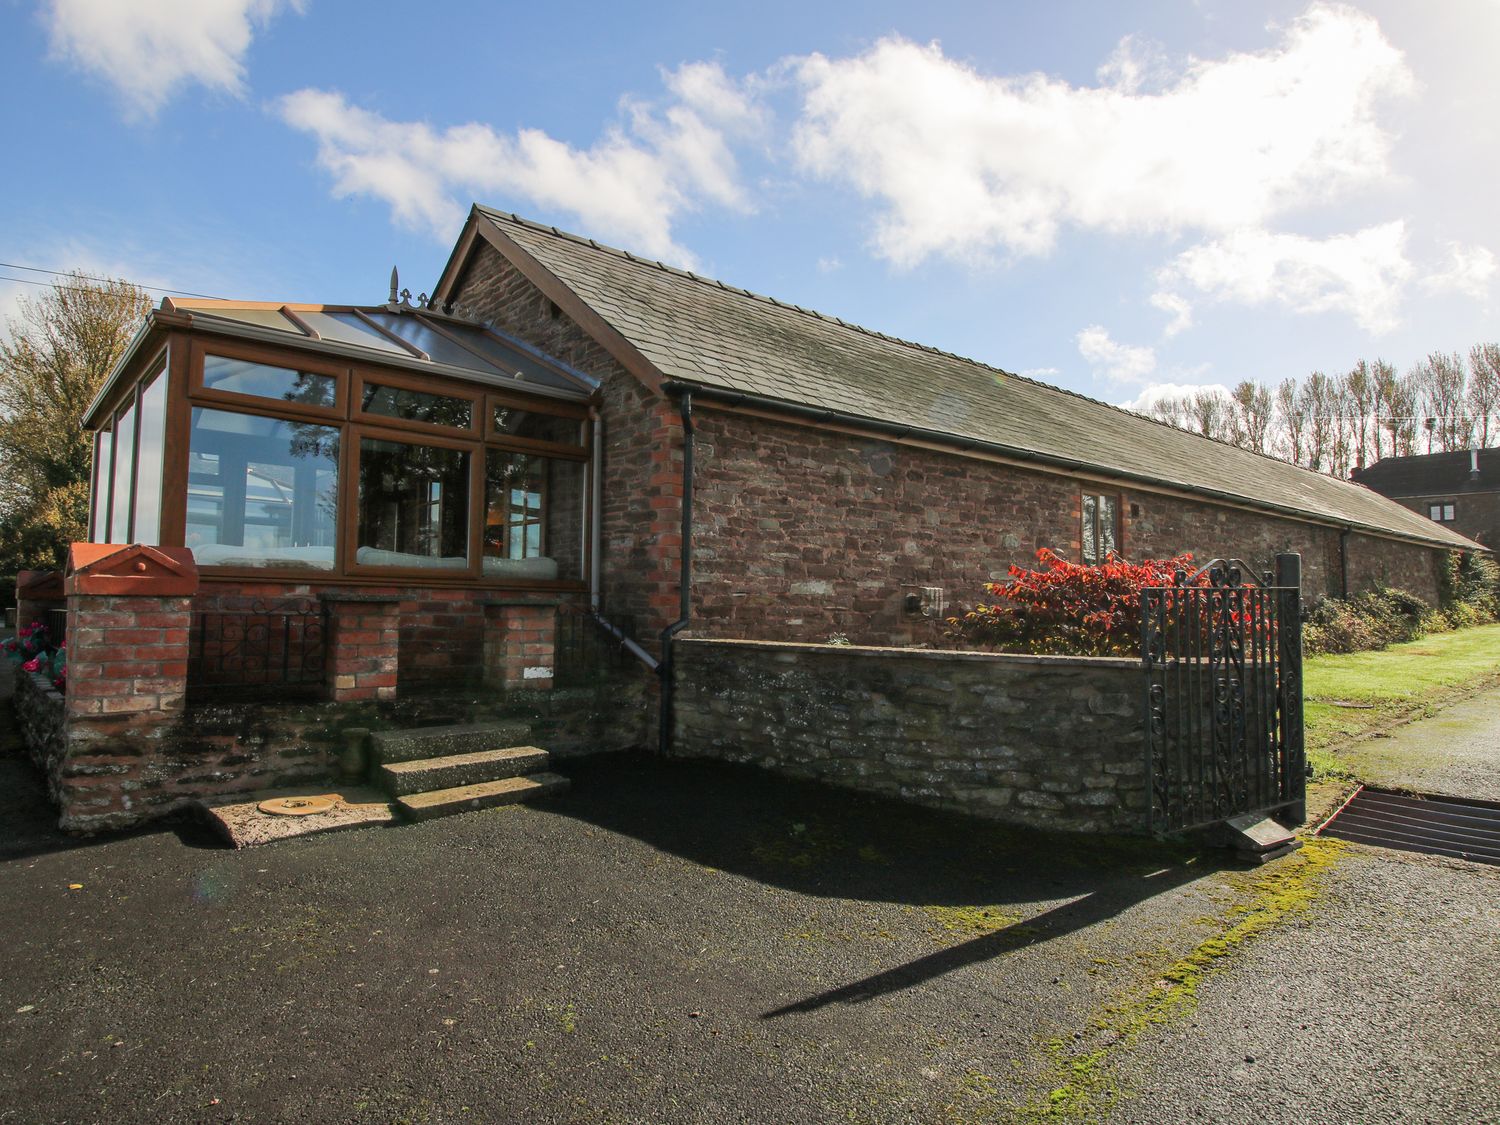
(822, 840)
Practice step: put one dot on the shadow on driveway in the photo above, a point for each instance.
(821, 840)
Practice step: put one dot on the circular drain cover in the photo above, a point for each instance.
(296, 806)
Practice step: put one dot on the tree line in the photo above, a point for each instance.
(1339, 423)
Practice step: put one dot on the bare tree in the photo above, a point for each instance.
(1384, 387)
(1209, 412)
(1291, 411)
(1253, 415)
(1484, 391)
(1443, 378)
(1319, 409)
(1360, 400)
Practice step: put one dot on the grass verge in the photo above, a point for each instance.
(1352, 696)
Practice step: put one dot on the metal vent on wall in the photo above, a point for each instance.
(1448, 826)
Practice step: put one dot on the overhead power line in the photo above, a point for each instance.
(90, 277)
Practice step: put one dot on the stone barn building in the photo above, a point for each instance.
(439, 510)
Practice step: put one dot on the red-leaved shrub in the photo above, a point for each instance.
(1067, 608)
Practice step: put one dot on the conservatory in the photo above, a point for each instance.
(344, 445)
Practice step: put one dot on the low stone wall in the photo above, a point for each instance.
(41, 716)
(1050, 742)
(125, 776)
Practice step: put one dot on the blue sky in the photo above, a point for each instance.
(1113, 196)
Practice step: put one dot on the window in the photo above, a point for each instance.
(413, 505)
(261, 491)
(533, 516)
(241, 377)
(511, 421)
(1101, 522)
(104, 451)
(148, 468)
(1443, 513)
(123, 484)
(417, 406)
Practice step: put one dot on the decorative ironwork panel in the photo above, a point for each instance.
(584, 651)
(1222, 653)
(271, 651)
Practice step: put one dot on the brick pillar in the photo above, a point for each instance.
(129, 616)
(363, 645)
(127, 655)
(519, 644)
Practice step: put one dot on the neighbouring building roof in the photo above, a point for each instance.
(696, 330)
(417, 337)
(1433, 474)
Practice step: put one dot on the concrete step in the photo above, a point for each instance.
(441, 742)
(421, 775)
(465, 798)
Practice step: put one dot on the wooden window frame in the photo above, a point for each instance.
(186, 392)
(349, 495)
(363, 377)
(1447, 511)
(270, 357)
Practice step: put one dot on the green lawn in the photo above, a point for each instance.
(1351, 696)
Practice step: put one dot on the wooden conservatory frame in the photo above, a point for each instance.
(178, 338)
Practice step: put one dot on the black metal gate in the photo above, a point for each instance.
(1222, 650)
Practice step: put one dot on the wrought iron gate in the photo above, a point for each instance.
(1222, 650)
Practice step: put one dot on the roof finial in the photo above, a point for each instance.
(395, 284)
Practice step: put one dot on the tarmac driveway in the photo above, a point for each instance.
(668, 942)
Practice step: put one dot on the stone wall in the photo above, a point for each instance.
(42, 718)
(801, 533)
(215, 750)
(1051, 742)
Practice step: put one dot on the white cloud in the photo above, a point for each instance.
(1179, 309)
(1120, 363)
(630, 185)
(1362, 274)
(1134, 64)
(148, 50)
(1156, 392)
(966, 164)
(1468, 270)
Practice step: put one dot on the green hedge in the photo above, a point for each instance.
(1373, 620)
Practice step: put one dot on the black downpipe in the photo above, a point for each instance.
(685, 580)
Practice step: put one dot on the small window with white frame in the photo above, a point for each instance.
(1442, 512)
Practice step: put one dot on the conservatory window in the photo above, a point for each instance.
(413, 505)
(242, 377)
(262, 492)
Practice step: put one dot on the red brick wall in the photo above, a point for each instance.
(441, 630)
(642, 433)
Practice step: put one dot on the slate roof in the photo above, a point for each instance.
(702, 331)
(1432, 474)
